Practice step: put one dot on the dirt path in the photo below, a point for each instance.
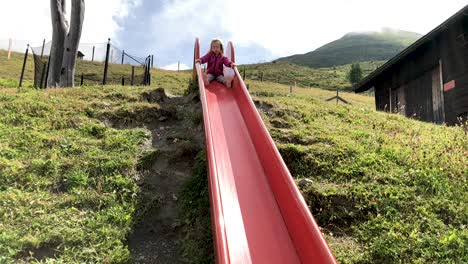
(177, 138)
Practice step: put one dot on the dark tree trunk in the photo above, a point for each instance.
(65, 41)
(59, 29)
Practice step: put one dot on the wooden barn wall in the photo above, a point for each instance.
(411, 80)
(382, 101)
(419, 97)
(407, 87)
(454, 53)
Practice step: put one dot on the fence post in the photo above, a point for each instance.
(82, 78)
(146, 72)
(106, 64)
(92, 58)
(10, 46)
(243, 75)
(43, 76)
(123, 81)
(24, 67)
(123, 54)
(133, 76)
(145, 77)
(178, 66)
(43, 45)
(47, 72)
(149, 71)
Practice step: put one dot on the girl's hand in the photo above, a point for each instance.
(233, 65)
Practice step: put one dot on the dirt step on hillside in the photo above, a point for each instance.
(157, 236)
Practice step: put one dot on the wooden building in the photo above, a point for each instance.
(429, 79)
(80, 55)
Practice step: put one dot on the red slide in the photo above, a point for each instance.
(258, 214)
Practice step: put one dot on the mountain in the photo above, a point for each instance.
(356, 46)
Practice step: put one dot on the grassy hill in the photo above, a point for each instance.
(356, 47)
(287, 73)
(383, 188)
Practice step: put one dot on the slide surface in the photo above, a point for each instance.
(258, 214)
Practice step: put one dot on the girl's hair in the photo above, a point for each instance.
(221, 46)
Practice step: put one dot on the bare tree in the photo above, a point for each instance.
(65, 41)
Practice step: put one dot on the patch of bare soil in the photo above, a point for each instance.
(177, 138)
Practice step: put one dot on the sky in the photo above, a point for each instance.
(261, 30)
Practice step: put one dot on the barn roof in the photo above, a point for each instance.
(367, 82)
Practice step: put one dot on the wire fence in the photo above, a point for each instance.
(97, 63)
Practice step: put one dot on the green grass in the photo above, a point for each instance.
(66, 179)
(285, 73)
(385, 188)
(10, 69)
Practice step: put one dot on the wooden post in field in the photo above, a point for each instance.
(133, 76)
(243, 75)
(92, 58)
(82, 78)
(106, 64)
(149, 71)
(43, 45)
(24, 67)
(10, 46)
(178, 66)
(338, 98)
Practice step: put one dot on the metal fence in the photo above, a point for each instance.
(97, 63)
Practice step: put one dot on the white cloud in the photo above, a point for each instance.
(174, 67)
(298, 26)
(292, 26)
(282, 27)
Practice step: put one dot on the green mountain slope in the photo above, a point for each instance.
(354, 47)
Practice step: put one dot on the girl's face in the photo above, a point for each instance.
(216, 48)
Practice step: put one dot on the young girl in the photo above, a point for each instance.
(215, 59)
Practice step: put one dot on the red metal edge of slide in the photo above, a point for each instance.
(304, 233)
